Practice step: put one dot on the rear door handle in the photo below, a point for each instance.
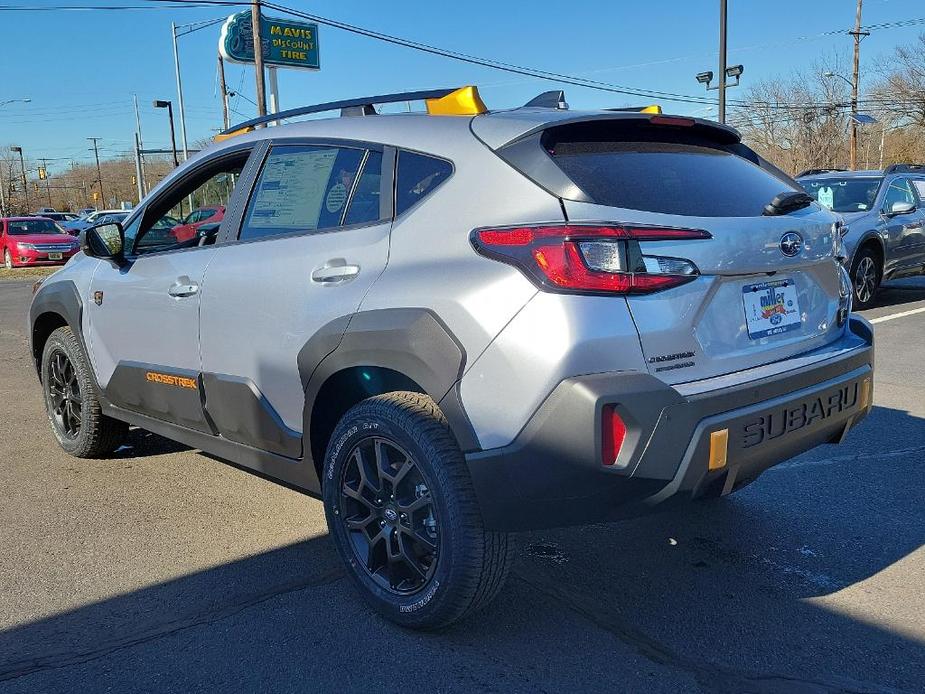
(183, 287)
(335, 270)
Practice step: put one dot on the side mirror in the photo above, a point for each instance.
(104, 241)
(901, 207)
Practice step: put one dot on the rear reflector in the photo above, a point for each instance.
(590, 258)
(613, 431)
(719, 444)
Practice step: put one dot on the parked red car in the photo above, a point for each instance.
(189, 227)
(34, 241)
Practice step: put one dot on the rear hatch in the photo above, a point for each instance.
(767, 286)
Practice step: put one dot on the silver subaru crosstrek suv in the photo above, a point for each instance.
(457, 325)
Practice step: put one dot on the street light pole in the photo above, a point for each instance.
(160, 103)
(99, 171)
(22, 166)
(176, 62)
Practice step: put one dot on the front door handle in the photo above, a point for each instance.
(336, 270)
(183, 287)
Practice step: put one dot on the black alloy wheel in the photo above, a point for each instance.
(64, 395)
(386, 507)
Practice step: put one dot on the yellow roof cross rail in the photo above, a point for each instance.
(221, 137)
(465, 101)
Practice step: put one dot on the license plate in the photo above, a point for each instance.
(771, 308)
(55, 256)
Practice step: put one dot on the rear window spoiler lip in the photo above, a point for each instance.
(727, 134)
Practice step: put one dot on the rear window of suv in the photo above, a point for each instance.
(685, 176)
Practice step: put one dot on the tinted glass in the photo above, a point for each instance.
(21, 227)
(364, 205)
(302, 188)
(418, 176)
(899, 191)
(844, 194)
(161, 228)
(669, 177)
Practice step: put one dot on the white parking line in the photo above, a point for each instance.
(901, 314)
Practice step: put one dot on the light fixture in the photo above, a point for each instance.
(705, 77)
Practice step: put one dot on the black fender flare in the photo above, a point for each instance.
(61, 298)
(870, 235)
(412, 341)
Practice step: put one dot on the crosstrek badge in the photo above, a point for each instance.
(170, 380)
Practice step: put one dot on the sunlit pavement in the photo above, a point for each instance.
(165, 570)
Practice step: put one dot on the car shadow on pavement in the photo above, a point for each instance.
(762, 591)
(899, 292)
(141, 444)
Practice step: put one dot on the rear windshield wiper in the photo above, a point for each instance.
(785, 203)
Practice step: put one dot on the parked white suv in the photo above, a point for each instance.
(459, 325)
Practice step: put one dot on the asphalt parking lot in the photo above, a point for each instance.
(163, 569)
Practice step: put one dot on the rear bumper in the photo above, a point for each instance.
(552, 475)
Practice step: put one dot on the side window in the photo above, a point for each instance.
(302, 188)
(160, 227)
(364, 205)
(919, 188)
(899, 191)
(418, 176)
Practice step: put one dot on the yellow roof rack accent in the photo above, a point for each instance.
(465, 101)
(221, 137)
(654, 108)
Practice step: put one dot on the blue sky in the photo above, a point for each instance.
(81, 68)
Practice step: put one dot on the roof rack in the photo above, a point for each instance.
(348, 107)
(816, 172)
(904, 168)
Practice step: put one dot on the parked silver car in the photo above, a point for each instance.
(458, 325)
(884, 214)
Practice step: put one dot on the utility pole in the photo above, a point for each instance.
(224, 88)
(855, 79)
(258, 59)
(139, 146)
(99, 171)
(47, 184)
(22, 166)
(722, 60)
(3, 191)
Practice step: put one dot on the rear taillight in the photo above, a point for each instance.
(586, 258)
(613, 432)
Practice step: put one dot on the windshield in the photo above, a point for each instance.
(22, 227)
(844, 194)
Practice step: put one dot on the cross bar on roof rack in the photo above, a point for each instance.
(361, 103)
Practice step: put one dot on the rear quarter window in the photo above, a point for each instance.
(670, 174)
(418, 176)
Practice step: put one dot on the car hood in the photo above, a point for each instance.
(43, 238)
(850, 217)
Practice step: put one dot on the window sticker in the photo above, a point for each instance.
(826, 197)
(336, 198)
(292, 190)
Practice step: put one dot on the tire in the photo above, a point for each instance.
(461, 566)
(7, 259)
(865, 274)
(71, 400)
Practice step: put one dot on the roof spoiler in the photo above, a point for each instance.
(904, 168)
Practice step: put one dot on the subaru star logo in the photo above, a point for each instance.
(791, 244)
